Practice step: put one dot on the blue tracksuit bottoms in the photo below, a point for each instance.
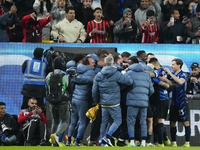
(110, 114)
(132, 113)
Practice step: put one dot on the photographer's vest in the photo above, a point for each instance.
(35, 72)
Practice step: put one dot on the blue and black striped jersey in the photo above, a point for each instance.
(160, 93)
(179, 91)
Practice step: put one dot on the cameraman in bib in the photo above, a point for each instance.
(193, 88)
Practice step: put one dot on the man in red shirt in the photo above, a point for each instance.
(33, 123)
(32, 28)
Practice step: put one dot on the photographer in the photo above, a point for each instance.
(8, 127)
(193, 88)
(33, 123)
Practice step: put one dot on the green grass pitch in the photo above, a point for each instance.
(93, 148)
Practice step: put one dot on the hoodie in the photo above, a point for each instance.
(106, 86)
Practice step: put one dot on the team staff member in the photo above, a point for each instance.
(179, 109)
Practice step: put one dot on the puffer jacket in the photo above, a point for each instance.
(71, 65)
(83, 83)
(142, 87)
(106, 86)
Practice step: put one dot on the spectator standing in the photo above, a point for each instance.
(6, 20)
(58, 11)
(69, 30)
(97, 29)
(174, 31)
(42, 7)
(125, 29)
(149, 29)
(113, 11)
(33, 28)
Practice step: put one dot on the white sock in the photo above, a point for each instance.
(126, 141)
(174, 142)
(187, 142)
(132, 142)
(143, 142)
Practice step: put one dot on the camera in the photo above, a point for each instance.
(190, 85)
(71, 72)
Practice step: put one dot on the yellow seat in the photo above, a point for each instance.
(47, 41)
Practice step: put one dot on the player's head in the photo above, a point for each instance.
(176, 64)
(155, 62)
(133, 60)
(142, 55)
(149, 56)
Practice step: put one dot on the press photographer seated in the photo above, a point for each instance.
(8, 127)
(193, 88)
(33, 124)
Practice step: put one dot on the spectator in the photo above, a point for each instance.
(97, 29)
(137, 100)
(113, 11)
(17, 32)
(33, 123)
(58, 11)
(8, 127)
(84, 12)
(24, 7)
(193, 87)
(173, 4)
(34, 79)
(107, 84)
(145, 5)
(174, 31)
(194, 31)
(179, 109)
(149, 29)
(42, 7)
(60, 108)
(125, 29)
(69, 30)
(33, 28)
(6, 20)
(81, 99)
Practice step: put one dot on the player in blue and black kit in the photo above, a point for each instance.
(179, 110)
(160, 101)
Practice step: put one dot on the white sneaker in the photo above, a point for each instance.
(150, 145)
(54, 140)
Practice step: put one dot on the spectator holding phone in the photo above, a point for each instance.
(149, 29)
(125, 29)
(174, 31)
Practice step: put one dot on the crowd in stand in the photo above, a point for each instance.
(100, 21)
(125, 96)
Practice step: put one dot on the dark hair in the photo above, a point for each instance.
(99, 52)
(85, 60)
(153, 60)
(198, 9)
(125, 54)
(133, 60)
(69, 8)
(59, 63)
(48, 6)
(139, 53)
(2, 103)
(78, 57)
(98, 8)
(150, 13)
(116, 57)
(102, 56)
(150, 54)
(178, 62)
(172, 11)
(32, 98)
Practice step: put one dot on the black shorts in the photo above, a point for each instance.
(180, 114)
(150, 111)
(161, 109)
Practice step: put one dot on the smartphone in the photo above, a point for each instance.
(172, 19)
(128, 17)
(184, 17)
(198, 28)
(148, 20)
